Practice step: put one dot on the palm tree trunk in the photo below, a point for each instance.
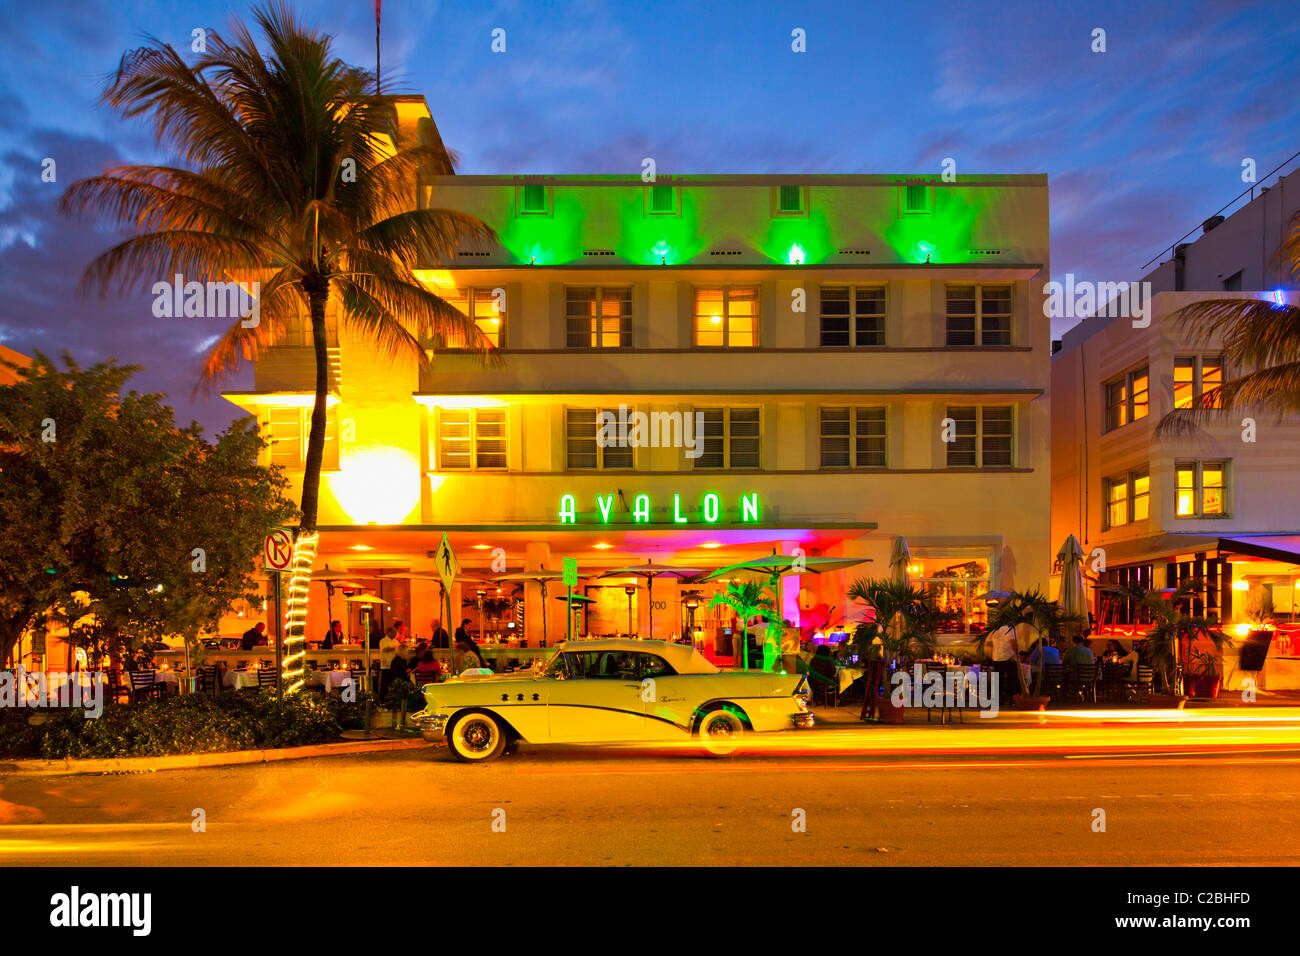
(304, 544)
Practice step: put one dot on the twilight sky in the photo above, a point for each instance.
(1140, 143)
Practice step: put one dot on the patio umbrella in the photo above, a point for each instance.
(779, 565)
(541, 576)
(1073, 598)
(430, 576)
(650, 571)
(899, 558)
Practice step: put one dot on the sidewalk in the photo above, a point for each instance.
(386, 740)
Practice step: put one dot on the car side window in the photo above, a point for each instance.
(604, 665)
(654, 666)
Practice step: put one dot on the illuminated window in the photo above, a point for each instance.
(1128, 399)
(982, 437)
(852, 315)
(296, 332)
(487, 307)
(1195, 377)
(583, 445)
(288, 430)
(979, 315)
(471, 439)
(726, 317)
(853, 437)
(598, 318)
(1127, 498)
(1201, 488)
(731, 438)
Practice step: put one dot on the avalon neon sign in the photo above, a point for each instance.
(709, 510)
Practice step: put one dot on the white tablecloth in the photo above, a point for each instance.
(169, 678)
(331, 680)
(848, 675)
(238, 680)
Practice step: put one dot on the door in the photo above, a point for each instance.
(666, 698)
(600, 699)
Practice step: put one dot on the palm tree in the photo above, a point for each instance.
(1258, 336)
(1171, 627)
(905, 619)
(745, 599)
(291, 180)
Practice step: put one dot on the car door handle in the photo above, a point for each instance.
(631, 685)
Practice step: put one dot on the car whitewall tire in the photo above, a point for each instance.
(476, 737)
(721, 731)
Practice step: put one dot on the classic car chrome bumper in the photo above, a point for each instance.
(433, 728)
(803, 721)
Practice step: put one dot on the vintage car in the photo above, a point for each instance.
(612, 691)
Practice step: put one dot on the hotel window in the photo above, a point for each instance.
(983, 437)
(582, 442)
(731, 438)
(1128, 399)
(979, 315)
(726, 317)
(1201, 489)
(853, 315)
(1127, 498)
(288, 430)
(296, 332)
(471, 439)
(481, 305)
(853, 437)
(598, 318)
(1194, 376)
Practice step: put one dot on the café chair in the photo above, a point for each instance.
(207, 674)
(266, 677)
(1082, 685)
(143, 684)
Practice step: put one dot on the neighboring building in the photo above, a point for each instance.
(1235, 253)
(825, 329)
(7, 376)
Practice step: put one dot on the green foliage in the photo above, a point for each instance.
(905, 619)
(189, 723)
(747, 599)
(1171, 629)
(99, 526)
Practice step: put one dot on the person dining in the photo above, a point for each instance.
(1044, 653)
(333, 636)
(1080, 655)
(1006, 659)
(1131, 661)
(467, 654)
(427, 669)
(253, 637)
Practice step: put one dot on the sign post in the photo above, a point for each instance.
(570, 580)
(277, 556)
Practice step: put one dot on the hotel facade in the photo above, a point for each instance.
(823, 363)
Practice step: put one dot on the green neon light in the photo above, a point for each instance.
(748, 510)
(659, 240)
(546, 240)
(799, 242)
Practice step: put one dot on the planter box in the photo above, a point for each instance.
(889, 714)
(1254, 651)
(1206, 687)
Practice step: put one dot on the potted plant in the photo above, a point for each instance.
(901, 632)
(1259, 615)
(399, 695)
(1048, 623)
(1201, 676)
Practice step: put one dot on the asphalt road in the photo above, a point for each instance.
(1219, 800)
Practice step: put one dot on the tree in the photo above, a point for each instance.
(1048, 620)
(1173, 632)
(110, 512)
(746, 599)
(292, 181)
(904, 620)
(1260, 337)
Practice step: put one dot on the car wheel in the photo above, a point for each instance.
(476, 737)
(721, 731)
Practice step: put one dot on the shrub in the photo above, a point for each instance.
(190, 723)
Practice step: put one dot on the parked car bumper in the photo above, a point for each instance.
(803, 721)
(433, 727)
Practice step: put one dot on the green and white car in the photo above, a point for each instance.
(622, 691)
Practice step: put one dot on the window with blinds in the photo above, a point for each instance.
(731, 440)
(982, 437)
(598, 318)
(288, 430)
(486, 307)
(582, 442)
(852, 316)
(979, 315)
(726, 317)
(663, 200)
(853, 437)
(472, 439)
(532, 199)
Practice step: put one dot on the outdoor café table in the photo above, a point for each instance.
(848, 675)
(238, 680)
(169, 679)
(332, 680)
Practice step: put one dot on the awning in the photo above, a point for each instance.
(1272, 547)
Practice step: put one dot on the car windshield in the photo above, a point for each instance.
(555, 667)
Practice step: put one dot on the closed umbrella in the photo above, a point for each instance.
(650, 571)
(1073, 598)
(899, 558)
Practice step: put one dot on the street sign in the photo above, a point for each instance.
(570, 572)
(447, 562)
(277, 553)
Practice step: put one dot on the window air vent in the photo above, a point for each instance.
(534, 197)
(855, 252)
(791, 199)
(597, 252)
(481, 255)
(724, 252)
(661, 199)
(986, 252)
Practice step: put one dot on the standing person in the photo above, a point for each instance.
(387, 651)
(439, 638)
(1004, 650)
(403, 639)
(253, 637)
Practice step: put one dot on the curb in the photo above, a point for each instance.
(231, 758)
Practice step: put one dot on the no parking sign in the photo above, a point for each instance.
(277, 553)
